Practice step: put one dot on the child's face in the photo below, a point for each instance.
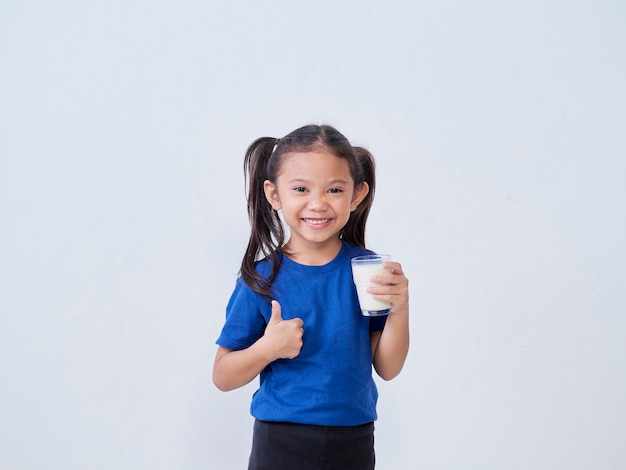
(316, 193)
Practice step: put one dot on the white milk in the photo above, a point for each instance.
(362, 274)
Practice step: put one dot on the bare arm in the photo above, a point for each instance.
(391, 345)
(234, 369)
(282, 340)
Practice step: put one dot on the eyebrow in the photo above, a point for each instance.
(302, 180)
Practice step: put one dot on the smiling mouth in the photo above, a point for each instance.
(316, 221)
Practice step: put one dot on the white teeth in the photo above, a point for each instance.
(316, 221)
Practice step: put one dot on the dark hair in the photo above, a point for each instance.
(262, 162)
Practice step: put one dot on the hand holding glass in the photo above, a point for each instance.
(363, 268)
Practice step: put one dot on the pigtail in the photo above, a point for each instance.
(354, 231)
(267, 233)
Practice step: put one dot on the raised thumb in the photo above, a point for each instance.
(276, 316)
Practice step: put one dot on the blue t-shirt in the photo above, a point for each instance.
(330, 382)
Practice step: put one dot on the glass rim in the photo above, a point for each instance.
(376, 257)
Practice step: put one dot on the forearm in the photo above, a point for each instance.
(282, 339)
(393, 345)
(234, 369)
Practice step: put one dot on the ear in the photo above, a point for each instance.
(360, 191)
(271, 194)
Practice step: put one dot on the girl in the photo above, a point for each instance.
(294, 317)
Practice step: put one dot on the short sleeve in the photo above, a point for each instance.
(245, 318)
(378, 323)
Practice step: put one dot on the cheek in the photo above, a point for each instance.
(289, 207)
(346, 207)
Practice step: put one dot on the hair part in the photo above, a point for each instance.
(262, 161)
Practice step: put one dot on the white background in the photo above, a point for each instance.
(498, 129)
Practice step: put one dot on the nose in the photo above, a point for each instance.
(317, 202)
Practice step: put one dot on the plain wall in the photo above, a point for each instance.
(498, 129)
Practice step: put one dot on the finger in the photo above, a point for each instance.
(298, 322)
(276, 313)
(394, 267)
(387, 290)
(387, 279)
(380, 290)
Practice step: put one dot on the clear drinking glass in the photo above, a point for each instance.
(363, 268)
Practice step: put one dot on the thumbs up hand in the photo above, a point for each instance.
(283, 337)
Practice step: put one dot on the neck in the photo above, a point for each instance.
(314, 255)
